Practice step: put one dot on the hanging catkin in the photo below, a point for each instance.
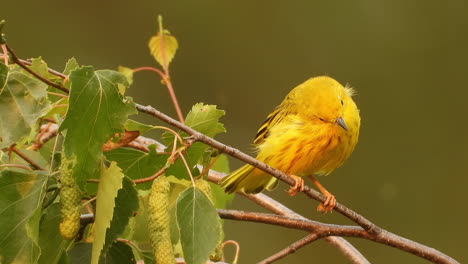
(70, 198)
(158, 221)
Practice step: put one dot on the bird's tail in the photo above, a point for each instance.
(249, 180)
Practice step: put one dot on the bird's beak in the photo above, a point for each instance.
(340, 121)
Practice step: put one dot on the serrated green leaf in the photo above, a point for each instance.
(20, 203)
(23, 100)
(127, 72)
(204, 119)
(52, 244)
(109, 185)
(97, 110)
(137, 164)
(132, 125)
(199, 225)
(39, 66)
(163, 46)
(126, 203)
(119, 253)
(70, 66)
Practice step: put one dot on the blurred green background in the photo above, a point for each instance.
(406, 59)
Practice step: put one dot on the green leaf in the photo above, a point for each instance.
(40, 67)
(51, 243)
(80, 253)
(204, 119)
(33, 155)
(20, 203)
(119, 253)
(199, 225)
(126, 203)
(96, 112)
(109, 185)
(23, 100)
(58, 109)
(163, 46)
(71, 65)
(220, 197)
(221, 164)
(132, 125)
(140, 232)
(137, 164)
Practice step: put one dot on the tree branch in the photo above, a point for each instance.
(324, 230)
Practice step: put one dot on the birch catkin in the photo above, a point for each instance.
(158, 221)
(70, 198)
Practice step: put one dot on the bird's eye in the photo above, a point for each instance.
(342, 102)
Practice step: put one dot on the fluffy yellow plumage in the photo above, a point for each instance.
(312, 132)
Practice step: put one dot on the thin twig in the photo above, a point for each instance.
(290, 249)
(27, 159)
(152, 177)
(15, 59)
(324, 230)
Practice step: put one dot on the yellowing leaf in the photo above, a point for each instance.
(163, 46)
(127, 72)
(109, 185)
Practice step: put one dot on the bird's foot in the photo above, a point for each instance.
(298, 186)
(328, 204)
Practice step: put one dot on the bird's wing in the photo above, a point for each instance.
(283, 110)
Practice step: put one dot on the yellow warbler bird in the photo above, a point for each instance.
(312, 132)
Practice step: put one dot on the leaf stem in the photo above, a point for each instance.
(16, 166)
(167, 82)
(232, 242)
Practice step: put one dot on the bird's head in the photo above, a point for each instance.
(323, 98)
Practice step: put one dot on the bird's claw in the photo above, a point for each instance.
(328, 204)
(298, 186)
